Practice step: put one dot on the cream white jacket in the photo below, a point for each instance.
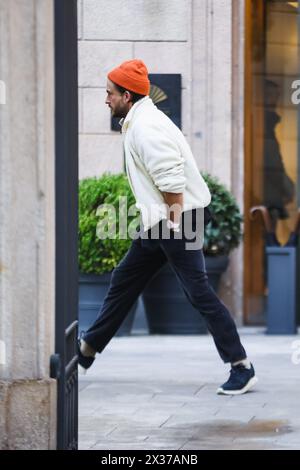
(159, 159)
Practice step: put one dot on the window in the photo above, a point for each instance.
(271, 137)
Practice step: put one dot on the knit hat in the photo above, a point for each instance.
(132, 75)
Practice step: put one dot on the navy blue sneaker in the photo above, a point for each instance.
(84, 362)
(240, 381)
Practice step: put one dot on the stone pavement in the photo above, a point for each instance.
(158, 392)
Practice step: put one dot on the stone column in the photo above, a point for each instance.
(212, 86)
(238, 152)
(218, 111)
(27, 237)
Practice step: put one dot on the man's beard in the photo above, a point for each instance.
(119, 113)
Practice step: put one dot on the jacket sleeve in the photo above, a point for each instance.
(161, 156)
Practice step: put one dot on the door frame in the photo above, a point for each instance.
(63, 363)
(253, 231)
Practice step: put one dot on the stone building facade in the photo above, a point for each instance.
(217, 46)
(203, 41)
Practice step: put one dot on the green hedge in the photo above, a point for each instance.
(99, 256)
(223, 233)
(96, 255)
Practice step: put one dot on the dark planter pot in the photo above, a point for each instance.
(282, 285)
(168, 311)
(92, 290)
(215, 267)
(140, 324)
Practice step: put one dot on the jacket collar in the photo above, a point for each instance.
(134, 110)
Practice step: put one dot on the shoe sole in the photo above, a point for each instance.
(247, 387)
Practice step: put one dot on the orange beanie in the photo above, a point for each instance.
(132, 75)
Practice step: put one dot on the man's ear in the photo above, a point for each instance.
(128, 96)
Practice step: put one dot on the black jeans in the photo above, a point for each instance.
(135, 270)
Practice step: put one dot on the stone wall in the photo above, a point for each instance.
(27, 230)
(202, 40)
(109, 33)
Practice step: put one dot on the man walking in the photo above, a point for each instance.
(170, 192)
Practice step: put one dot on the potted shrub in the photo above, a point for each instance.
(223, 233)
(98, 257)
(167, 308)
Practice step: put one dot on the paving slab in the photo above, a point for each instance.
(159, 392)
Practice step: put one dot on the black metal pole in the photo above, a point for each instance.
(66, 196)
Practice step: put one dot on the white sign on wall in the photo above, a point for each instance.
(2, 92)
(2, 353)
